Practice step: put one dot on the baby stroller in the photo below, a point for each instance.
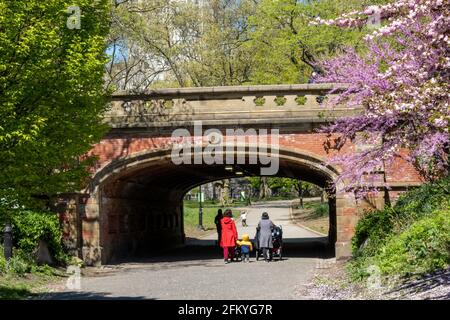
(277, 242)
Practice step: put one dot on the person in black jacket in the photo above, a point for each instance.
(217, 219)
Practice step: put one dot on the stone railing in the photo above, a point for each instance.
(225, 105)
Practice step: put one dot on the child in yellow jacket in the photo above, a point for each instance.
(246, 246)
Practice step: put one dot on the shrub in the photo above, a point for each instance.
(30, 227)
(375, 227)
(424, 200)
(321, 210)
(411, 237)
(422, 248)
(19, 265)
(372, 230)
(2, 262)
(317, 209)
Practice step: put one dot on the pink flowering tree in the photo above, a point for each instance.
(402, 84)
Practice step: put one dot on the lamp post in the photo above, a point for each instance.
(200, 210)
(7, 241)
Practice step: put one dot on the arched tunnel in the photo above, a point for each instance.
(141, 198)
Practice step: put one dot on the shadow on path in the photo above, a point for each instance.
(426, 283)
(75, 295)
(200, 250)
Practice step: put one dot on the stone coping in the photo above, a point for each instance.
(246, 90)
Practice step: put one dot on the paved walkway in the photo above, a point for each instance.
(198, 271)
(278, 212)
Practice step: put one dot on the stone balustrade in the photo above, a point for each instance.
(260, 104)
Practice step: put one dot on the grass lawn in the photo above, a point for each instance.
(209, 213)
(191, 217)
(15, 287)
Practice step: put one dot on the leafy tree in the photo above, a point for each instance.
(268, 185)
(301, 188)
(51, 96)
(222, 42)
(402, 84)
(179, 43)
(261, 184)
(287, 47)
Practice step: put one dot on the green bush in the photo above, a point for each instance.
(422, 248)
(411, 237)
(29, 227)
(2, 262)
(19, 265)
(424, 200)
(319, 209)
(372, 231)
(375, 227)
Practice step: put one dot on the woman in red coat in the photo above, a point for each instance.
(229, 236)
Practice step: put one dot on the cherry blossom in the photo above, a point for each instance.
(402, 84)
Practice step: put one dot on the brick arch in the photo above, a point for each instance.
(132, 213)
(117, 166)
(140, 130)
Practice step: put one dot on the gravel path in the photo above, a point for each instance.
(198, 271)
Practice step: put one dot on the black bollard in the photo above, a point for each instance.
(7, 241)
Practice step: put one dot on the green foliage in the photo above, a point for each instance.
(423, 247)
(280, 101)
(3, 266)
(424, 200)
(208, 49)
(29, 227)
(259, 101)
(413, 237)
(376, 226)
(286, 47)
(191, 216)
(232, 42)
(301, 100)
(168, 104)
(285, 187)
(372, 230)
(15, 286)
(51, 97)
(318, 209)
(19, 265)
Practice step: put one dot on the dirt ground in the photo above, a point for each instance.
(304, 218)
(331, 282)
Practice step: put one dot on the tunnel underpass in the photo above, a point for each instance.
(141, 199)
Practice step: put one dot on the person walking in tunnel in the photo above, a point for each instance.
(265, 227)
(244, 218)
(217, 222)
(246, 247)
(229, 236)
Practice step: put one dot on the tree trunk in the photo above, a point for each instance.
(323, 196)
(224, 192)
(264, 190)
(300, 193)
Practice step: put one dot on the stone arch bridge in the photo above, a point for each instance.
(134, 200)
